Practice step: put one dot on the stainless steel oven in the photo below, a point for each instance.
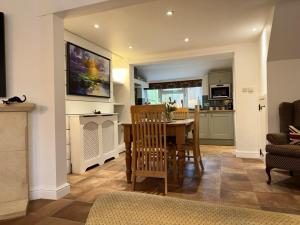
(220, 91)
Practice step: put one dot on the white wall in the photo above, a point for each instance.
(264, 48)
(283, 86)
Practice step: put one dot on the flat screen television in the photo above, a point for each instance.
(88, 73)
(2, 57)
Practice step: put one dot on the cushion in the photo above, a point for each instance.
(294, 135)
(284, 150)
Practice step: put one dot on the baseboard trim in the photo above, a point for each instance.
(121, 148)
(247, 154)
(49, 192)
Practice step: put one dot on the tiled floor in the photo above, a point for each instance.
(226, 180)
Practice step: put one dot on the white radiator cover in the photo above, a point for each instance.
(93, 139)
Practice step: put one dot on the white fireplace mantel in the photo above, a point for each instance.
(14, 159)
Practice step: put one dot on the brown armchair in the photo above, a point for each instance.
(280, 154)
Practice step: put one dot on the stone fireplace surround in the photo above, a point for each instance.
(14, 159)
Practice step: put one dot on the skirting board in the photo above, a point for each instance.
(49, 193)
(247, 154)
(121, 148)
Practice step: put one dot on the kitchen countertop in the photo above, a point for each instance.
(215, 111)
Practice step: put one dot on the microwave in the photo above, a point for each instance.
(220, 91)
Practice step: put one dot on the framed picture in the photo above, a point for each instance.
(88, 74)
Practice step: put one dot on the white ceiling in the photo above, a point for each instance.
(184, 68)
(147, 28)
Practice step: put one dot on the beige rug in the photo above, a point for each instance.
(136, 208)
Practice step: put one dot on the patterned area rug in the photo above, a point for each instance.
(136, 208)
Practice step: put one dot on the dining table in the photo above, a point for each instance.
(176, 128)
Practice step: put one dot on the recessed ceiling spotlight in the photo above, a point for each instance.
(186, 40)
(96, 26)
(130, 47)
(254, 29)
(170, 13)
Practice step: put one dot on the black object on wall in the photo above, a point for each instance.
(2, 57)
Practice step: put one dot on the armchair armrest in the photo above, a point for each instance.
(278, 139)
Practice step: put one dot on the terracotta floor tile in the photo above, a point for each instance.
(77, 211)
(228, 185)
(37, 204)
(75, 178)
(212, 165)
(209, 182)
(256, 161)
(75, 192)
(232, 165)
(91, 182)
(281, 210)
(264, 187)
(235, 204)
(58, 221)
(92, 195)
(239, 197)
(110, 174)
(234, 177)
(277, 200)
(28, 220)
(209, 195)
(232, 170)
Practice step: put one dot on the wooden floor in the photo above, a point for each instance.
(226, 180)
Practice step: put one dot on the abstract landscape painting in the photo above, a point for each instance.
(88, 72)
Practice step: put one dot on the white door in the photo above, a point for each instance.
(263, 123)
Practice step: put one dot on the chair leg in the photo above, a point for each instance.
(188, 155)
(197, 167)
(268, 171)
(174, 166)
(166, 186)
(201, 164)
(133, 182)
(197, 161)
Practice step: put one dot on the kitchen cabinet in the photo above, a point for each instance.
(220, 77)
(218, 125)
(221, 126)
(204, 125)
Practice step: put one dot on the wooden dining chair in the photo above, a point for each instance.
(180, 114)
(194, 143)
(149, 153)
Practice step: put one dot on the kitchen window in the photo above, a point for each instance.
(185, 97)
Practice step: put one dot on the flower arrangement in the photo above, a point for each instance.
(170, 107)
